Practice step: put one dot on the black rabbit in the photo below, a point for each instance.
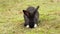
(31, 17)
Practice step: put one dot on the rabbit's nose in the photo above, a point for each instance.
(31, 26)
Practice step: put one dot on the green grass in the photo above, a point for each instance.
(11, 16)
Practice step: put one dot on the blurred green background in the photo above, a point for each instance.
(11, 16)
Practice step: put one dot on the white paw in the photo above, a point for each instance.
(27, 26)
(35, 25)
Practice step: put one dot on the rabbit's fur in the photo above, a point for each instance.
(31, 17)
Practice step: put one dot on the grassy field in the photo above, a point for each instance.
(11, 16)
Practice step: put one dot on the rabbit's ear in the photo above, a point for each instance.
(36, 10)
(26, 12)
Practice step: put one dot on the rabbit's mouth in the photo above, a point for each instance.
(31, 26)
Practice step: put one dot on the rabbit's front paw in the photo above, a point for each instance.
(35, 25)
(27, 26)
